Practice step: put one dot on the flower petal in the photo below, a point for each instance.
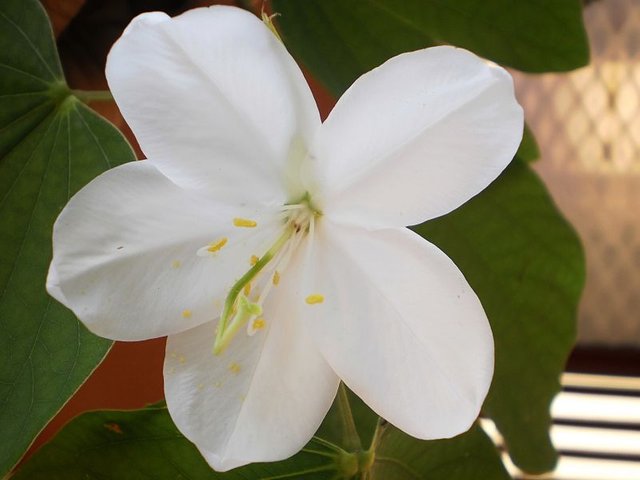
(416, 137)
(125, 254)
(400, 325)
(215, 100)
(261, 399)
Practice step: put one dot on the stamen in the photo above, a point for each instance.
(247, 289)
(244, 222)
(276, 277)
(216, 246)
(314, 299)
(253, 260)
(295, 206)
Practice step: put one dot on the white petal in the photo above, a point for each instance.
(401, 326)
(262, 399)
(215, 100)
(125, 254)
(416, 137)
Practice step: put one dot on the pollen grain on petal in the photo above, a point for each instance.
(259, 324)
(276, 277)
(247, 289)
(186, 313)
(176, 264)
(253, 260)
(217, 246)
(244, 222)
(314, 299)
(235, 368)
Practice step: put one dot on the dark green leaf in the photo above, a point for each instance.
(527, 266)
(470, 456)
(146, 444)
(528, 151)
(50, 146)
(338, 40)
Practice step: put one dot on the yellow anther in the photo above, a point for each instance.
(247, 289)
(259, 324)
(186, 313)
(253, 260)
(276, 277)
(315, 298)
(216, 246)
(234, 368)
(176, 264)
(244, 222)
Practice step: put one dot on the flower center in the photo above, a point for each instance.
(243, 305)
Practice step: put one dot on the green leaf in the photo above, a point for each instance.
(527, 266)
(146, 444)
(50, 146)
(528, 151)
(541, 36)
(470, 456)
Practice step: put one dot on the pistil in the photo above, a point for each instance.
(238, 309)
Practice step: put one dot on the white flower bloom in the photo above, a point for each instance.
(271, 248)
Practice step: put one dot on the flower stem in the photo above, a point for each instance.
(351, 439)
(87, 96)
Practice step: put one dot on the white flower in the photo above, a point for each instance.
(287, 235)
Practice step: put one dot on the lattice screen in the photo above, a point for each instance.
(588, 126)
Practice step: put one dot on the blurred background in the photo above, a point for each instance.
(587, 124)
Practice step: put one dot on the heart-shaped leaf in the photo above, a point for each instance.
(50, 146)
(541, 36)
(527, 266)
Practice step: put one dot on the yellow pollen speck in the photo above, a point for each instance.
(176, 264)
(234, 368)
(216, 246)
(247, 289)
(244, 222)
(182, 360)
(253, 260)
(200, 386)
(276, 277)
(186, 313)
(315, 298)
(173, 355)
(217, 384)
(259, 324)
